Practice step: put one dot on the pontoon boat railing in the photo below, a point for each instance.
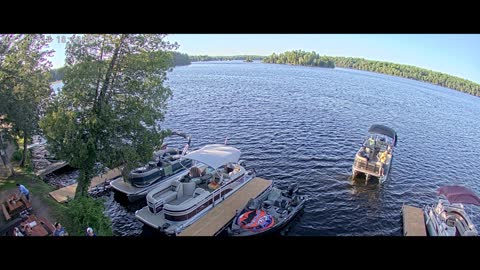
(368, 166)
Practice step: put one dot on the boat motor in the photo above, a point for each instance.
(292, 189)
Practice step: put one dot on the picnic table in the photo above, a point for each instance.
(14, 205)
(37, 226)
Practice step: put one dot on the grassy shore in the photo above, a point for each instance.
(42, 203)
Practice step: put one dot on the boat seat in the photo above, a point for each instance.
(198, 192)
(280, 203)
(188, 188)
(267, 204)
(196, 180)
(175, 191)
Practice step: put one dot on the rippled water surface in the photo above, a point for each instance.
(305, 124)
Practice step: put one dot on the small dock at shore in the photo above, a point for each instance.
(63, 194)
(51, 168)
(413, 221)
(221, 215)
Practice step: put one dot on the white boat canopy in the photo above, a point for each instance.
(215, 155)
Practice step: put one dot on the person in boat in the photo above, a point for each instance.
(371, 142)
(383, 157)
(363, 153)
(195, 172)
(228, 168)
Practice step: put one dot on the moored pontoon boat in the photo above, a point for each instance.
(177, 203)
(167, 164)
(448, 217)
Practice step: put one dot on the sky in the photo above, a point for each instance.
(454, 54)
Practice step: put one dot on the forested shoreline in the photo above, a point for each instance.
(406, 71)
(299, 57)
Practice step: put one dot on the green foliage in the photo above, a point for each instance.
(410, 72)
(180, 59)
(87, 212)
(17, 155)
(112, 102)
(24, 86)
(57, 74)
(202, 58)
(300, 58)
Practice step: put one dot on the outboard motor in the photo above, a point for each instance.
(165, 226)
(292, 189)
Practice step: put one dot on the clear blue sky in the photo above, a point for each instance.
(454, 54)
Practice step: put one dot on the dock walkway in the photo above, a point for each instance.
(219, 217)
(413, 221)
(63, 194)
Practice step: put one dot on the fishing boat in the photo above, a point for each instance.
(166, 164)
(374, 158)
(177, 203)
(270, 212)
(448, 217)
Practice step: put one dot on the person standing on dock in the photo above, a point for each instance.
(24, 191)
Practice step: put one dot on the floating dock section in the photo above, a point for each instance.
(221, 215)
(63, 194)
(413, 221)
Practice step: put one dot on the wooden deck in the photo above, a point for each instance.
(51, 168)
(413, 221)
(63, 194)
(223, 213)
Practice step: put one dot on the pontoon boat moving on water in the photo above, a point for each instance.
(375, 156)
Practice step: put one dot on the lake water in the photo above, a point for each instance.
(304, 125)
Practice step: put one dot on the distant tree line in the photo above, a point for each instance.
(410, 72)
(180, 59)
(57, 74)
(300, 58)
(420, 74)
(202, 58)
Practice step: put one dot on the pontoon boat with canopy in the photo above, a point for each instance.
(448, 217)
(375, 156)
(175, 204)
(166, 164)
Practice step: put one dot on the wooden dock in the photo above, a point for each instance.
(413, 221)
(63, 194)
(51, 168)
(217, 218)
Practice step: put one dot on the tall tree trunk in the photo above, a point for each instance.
(4, 157)
(24, 155)
(83, 183)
